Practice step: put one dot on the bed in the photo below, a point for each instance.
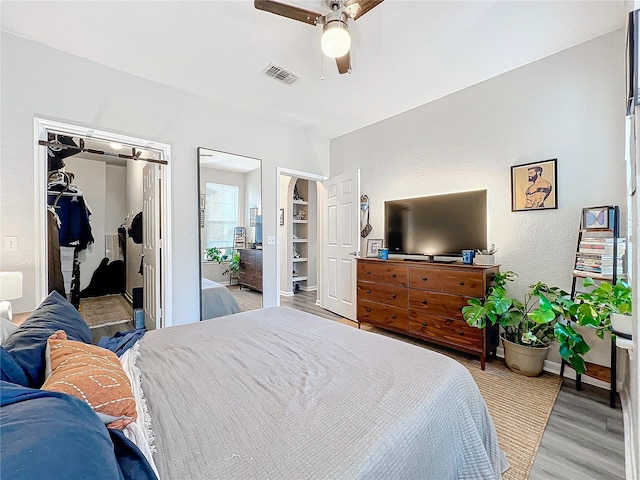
(217, 300)
(270, 393)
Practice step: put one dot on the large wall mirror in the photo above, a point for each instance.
(230, 221)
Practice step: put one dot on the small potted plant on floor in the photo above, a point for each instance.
(486, 256)
(529, 326)
(606, 307)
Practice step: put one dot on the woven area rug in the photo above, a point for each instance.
(519, 406)
(106, 310)
(247, 299)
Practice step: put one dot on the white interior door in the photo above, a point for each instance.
(151, 244)
(341, 243)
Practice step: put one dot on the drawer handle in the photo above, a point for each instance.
(393, 316)
(424, 279)
(367, 309)
(368, 291)
(393, 296)
(424, 324)
(461, 333)
(368, 272)
(424, 302)
(394, 275)
(461, 283)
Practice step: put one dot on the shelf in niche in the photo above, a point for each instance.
(300, 202)
(300, 221)
(299, 278)
(299, 259)
(300, 240)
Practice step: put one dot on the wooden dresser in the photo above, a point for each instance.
(425, 300)
(250, 273)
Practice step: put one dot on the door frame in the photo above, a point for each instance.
(314, 178)
(41, 127)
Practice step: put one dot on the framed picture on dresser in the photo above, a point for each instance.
(373, 244)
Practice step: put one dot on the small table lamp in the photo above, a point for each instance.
(10, 287)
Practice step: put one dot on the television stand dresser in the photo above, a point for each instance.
(425, 300)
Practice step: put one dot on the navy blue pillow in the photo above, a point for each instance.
(51, 435)
(10, 371)
(29, 342)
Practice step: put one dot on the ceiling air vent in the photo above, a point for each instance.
(280, 74)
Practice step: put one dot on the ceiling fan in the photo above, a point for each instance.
(336, 40)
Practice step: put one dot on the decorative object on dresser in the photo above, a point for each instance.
(373, 244)
(250, 272)
(426, 301)
(545, 314)
(485, 256)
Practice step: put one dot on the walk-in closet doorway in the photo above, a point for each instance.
(102, 224)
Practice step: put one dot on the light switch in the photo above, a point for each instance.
(271, 240)
(11, 244)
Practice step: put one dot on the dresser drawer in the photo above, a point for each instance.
(382, 272)
(387, 294)
(434, 303)
(456, 332)
(470, 283)
(382, 315)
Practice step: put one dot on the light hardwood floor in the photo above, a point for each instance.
(584, 438)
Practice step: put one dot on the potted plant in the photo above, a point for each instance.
(485, 256)
(529, 326)
(234, 264)
(606, 307)
(214, 254)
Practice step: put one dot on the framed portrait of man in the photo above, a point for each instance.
(534, 186)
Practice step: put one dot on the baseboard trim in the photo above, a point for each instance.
(554, 367)
(630, 450)
(312, 288)
(286, 294)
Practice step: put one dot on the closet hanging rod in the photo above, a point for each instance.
(44, 143)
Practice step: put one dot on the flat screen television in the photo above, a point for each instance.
(441, 225)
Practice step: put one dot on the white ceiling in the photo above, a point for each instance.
(404, 53)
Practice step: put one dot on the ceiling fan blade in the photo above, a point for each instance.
(356, 8)
(288, 11)
(344, 63)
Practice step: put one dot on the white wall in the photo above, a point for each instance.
(91, 178)
(569, 106)
(283, 235)
(85, 93)
(116, 198)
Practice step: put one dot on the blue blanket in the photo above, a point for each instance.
(121, 341)
(51, 435)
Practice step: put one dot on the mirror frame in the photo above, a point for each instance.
(200, 247)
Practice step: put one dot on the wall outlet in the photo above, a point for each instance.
(10, 244)
(271, 240)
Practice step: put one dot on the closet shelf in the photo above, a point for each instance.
(299, 278)
(300, 202)
(300, 221)
(300, 240)
(297, 260)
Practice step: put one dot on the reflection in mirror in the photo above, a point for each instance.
(230, 217)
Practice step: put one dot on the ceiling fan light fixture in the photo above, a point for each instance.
(336, 39)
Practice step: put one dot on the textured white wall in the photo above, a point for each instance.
(569, 106)
(116, 198)
(44, 82)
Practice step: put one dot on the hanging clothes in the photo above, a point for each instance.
(75, 229)
(56, 279)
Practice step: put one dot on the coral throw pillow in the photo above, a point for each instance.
(92, 374)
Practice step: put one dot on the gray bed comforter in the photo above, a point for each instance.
(278, 393)
(217, 300)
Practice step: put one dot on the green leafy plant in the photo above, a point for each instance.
(214, 254)
(234, 264)
(545, 314)
(596, 306)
